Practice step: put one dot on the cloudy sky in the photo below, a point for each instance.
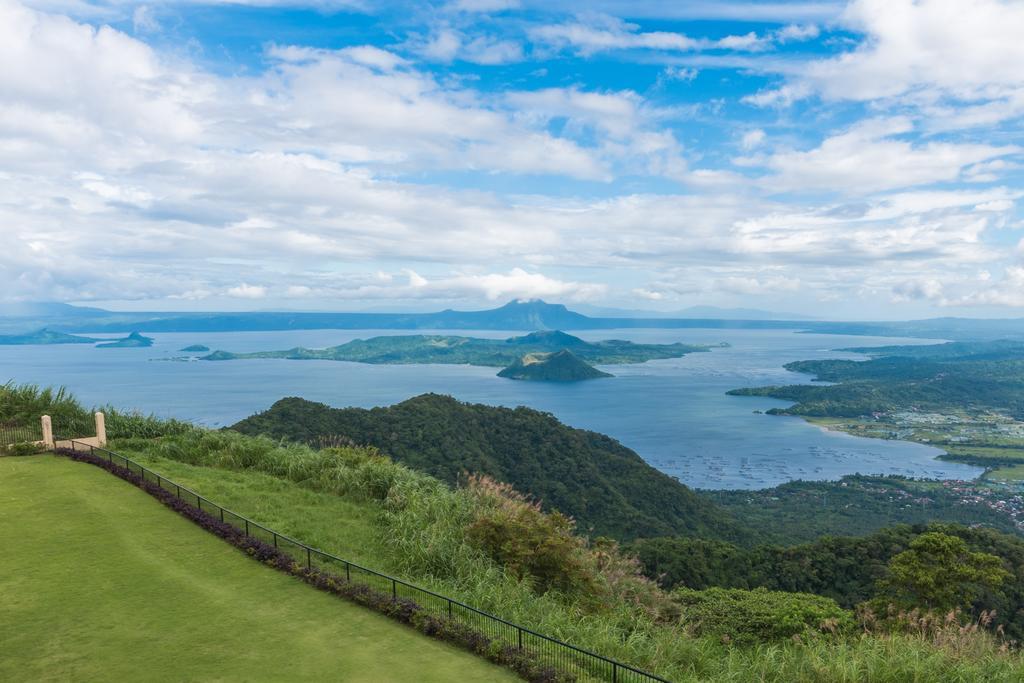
(858, 160)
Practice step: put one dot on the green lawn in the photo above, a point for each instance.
(100, 582)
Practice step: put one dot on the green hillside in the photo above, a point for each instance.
(955, 377)
(457, 350)
(558, 366)
(479, 545)
(132, 341)
(44, 336)
(99, 582)
(605, 486)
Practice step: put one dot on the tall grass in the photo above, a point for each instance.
(25, 404)
(421, 534)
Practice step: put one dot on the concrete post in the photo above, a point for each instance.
(47, 431)
(101, 430)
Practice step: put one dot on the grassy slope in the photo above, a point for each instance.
(100, 582)
(349, 528)
(606, 487)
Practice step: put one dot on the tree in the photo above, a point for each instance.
(938, 572)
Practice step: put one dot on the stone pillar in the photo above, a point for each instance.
(101, 430)
(47, 431)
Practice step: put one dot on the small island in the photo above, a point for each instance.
(558, 366)
(132, 341)
(455, 350)
(44, 336)
(195, 348)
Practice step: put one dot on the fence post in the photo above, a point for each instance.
(47, 431)
(101, 430)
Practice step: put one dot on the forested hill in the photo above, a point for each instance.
(458, 350)
(943, 378)
(605, 486)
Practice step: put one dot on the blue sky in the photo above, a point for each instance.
(840, 159)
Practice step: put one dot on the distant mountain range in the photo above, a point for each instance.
(703, 312)
(513, 316)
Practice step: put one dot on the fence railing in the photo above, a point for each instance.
(546, 650)
(12, 434)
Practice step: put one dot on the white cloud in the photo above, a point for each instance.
(649, 294)
(517, 283)
(599, 33)
(130, 174)
(753, 138)
(482, 5)
(1007, 290)
(247, 291)
(995, 205)
(868, 157)
(446, 44)
(144, 19)
(797, 33)
(915, 290)
(924, 51)
(679, 73)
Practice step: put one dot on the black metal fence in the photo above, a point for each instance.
(78, 425)
(13, 433)
(583, 664)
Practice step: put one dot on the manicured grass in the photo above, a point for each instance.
(100, 582)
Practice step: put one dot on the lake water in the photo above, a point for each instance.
(674, 413)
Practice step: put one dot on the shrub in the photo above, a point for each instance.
(743, 616)
(512, 529)
(26, 448)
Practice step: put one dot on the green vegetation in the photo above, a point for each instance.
(954, 377)
(474, 351)
(801, 511)
(557, 366)
(44, 336)
(24, 404)
(196, 348)
(938, 572)
(759, 615)
(852, 571)
(24, 448)
(495, 548)
(452, 541)
(128, 590)
(492, 548)
(605, 486)
(132, 341)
